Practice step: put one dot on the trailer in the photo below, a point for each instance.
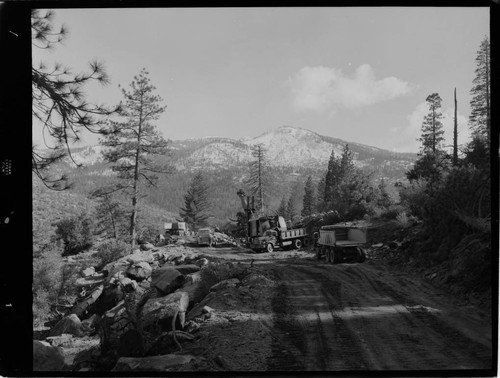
(341, 243)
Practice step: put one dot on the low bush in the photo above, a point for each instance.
(47, 283)
(76, 234)
(111, 250)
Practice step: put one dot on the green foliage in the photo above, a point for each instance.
(259, 179)
(47, 282)
(479, 119)
(111, 250)
(309, 200)
(196, 210)
(111, 216)
(76, 233)
(432, 127)
(430, 167)
(59, 104)
(134, 141)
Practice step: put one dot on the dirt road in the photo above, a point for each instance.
(325, 317)
(362, 317)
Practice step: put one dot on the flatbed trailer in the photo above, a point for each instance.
(341, 243)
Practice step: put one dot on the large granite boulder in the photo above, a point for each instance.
(187, 268)
(160, 311)
(70, 324)
(140, 271)
(47, 357)
(154, 363)
(167, 279)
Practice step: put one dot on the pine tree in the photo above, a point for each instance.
(309, 201)
(282, 207)
(432, 127)
(479, 119)
(259, 180)
(331, 178)
(196, 205)
(58, 102)
(455, 132)
(110, 214)
(290, 209)
(135, 140)
(320, 193)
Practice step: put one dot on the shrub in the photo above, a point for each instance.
(76, 233)
(111, 250)
(47, 283)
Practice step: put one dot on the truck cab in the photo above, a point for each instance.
(205, 236)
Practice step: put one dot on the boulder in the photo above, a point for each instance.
(120, 265)
(109, 298)
(232, 282)
(167, 279)
(90, 271)
(87, 359)
(60, 340)
(161, 310)
(90, 281)
(128, 284)
(187, 268)
(147, 246)
(47, 357)
(89, 324)
(154, 363)
(179, 260)
(70, 324)
(140, 271)
(140, 256)
(201, 262)
(193, 278)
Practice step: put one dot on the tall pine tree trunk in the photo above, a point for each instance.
(487, 64)
(133, 217)
(455, 134)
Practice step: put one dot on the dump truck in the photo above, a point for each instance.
(341, 243)
(271, 232)
(267, 233)
(205, 236)
(175, 228)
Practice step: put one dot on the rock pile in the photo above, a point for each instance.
(135, 306)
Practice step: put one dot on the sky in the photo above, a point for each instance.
(358, 74)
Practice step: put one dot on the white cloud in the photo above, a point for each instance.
(320, 88)
(407, 135)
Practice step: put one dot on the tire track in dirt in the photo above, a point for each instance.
(345, 317)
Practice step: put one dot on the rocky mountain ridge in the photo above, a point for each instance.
(286, 147)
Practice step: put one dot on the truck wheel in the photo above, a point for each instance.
(297, 243)
(362, 255)
(318, 254)
(335, 257)
(331, 256)
(269, 247)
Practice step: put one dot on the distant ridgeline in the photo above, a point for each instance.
(292, 154)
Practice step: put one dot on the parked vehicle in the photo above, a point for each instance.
(176, 228)
(270, 233)
(205, 236)
(341, 243)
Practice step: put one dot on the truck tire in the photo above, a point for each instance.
(331, 256)
(269, 247)
(336, 256)
(362, 255)
(297, 243)
(318, 254)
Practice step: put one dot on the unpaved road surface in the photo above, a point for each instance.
(362, 317)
